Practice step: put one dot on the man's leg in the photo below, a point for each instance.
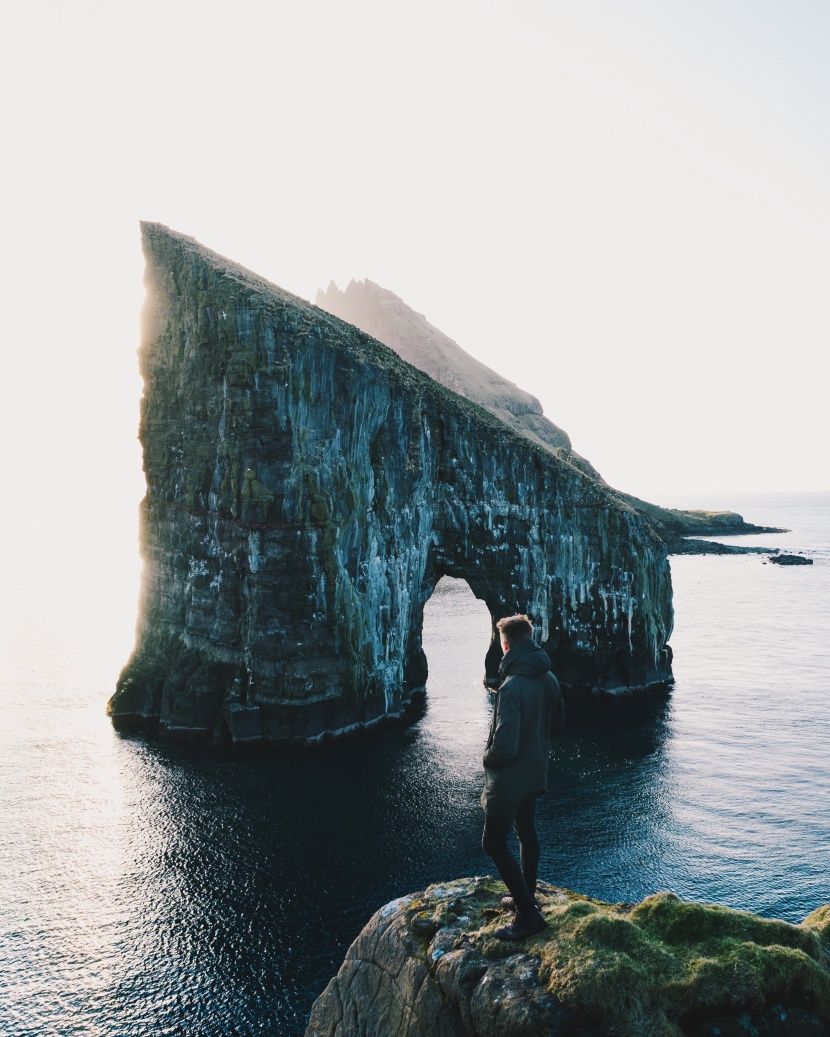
(528, 842)
(494, 843)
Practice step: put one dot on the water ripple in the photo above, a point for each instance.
(154, 889)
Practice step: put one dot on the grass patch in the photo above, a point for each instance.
(649, 969)
(641, 970)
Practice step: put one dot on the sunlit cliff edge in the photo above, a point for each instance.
(428, 965)
(307, 489)
(384, 315)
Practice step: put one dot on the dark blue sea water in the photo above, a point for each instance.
(152, 889)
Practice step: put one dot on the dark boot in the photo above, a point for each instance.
(526, 923)
(509, 904)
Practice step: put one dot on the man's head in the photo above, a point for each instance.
(513, 629)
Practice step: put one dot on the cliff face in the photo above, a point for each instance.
(384, 315)
(428, 965)
(306, 489)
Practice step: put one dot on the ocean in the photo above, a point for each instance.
(150, 888)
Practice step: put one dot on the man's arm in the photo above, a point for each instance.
(505, 742)
(557, 709)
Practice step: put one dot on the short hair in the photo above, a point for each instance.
(515, 628)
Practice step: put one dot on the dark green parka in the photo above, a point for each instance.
(529, 709)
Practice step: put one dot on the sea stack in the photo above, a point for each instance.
(307, 489)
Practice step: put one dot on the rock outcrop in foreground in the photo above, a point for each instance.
(387, 317)
(307, 489)
(427, 965)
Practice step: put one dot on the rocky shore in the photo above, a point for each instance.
(693, 546)
(683, 530)
(428, 965)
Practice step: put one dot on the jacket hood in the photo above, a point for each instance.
(526, 659)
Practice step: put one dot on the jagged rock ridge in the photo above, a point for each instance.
(306, 490)
(384, 315)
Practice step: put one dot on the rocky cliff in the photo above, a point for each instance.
(386, 316)
(306, 490)
(428, 965)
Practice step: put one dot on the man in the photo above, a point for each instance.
(528, 711)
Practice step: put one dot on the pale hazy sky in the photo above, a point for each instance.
(622, 206)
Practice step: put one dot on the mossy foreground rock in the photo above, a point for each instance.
(307, 489)
(428, 965)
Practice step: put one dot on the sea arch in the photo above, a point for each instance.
(306, 489)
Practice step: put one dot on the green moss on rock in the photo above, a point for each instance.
(307, 489)
(663, 968)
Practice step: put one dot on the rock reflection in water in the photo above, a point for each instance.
(257, 872)
(151, 888)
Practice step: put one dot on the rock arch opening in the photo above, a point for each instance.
(457, 626)
(456, 636)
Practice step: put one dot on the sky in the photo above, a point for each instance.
(622, 206)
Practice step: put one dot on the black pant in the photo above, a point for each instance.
(520, 881)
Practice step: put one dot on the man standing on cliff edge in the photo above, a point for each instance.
(528, 711)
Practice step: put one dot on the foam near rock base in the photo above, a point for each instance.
(428, 965)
